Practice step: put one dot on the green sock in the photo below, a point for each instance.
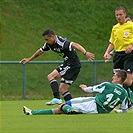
(42, 112)
(67, 108)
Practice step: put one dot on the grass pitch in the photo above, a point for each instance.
(12, 120)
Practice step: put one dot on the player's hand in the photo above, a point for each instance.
(25, 60)
(129, 49)
(117, 110)
(107, 57)
(90, 56)
(82, 86)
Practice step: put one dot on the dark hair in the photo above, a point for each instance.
(122, 74)
(120, 8)
(48, 32)
(128, 16)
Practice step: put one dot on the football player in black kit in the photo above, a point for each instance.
(68, 71)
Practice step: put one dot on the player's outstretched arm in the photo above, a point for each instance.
(82, 86)
(89, 56)
(120, 110)
(36, 54)
(86, 89)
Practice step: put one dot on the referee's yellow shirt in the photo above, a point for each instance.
(122, 36)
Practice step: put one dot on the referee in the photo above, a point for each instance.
(121, 41)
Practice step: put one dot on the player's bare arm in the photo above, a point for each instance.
(36, 54)
(107, 55)
(82, 86)
(89, 56)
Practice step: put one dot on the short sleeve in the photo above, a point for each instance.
(45, 47)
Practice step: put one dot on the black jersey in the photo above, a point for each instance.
(65, 50)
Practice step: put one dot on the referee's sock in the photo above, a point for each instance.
(55, 88)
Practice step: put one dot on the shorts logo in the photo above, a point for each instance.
(128, 70)
(126, 34)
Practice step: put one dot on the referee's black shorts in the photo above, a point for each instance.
(124, 61)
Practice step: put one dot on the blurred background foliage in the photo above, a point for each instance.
(22, 22)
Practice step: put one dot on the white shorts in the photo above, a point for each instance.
(85, 105)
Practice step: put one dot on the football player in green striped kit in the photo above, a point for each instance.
(109, 96)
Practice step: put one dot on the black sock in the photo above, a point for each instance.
(67, 96)
(55, 88)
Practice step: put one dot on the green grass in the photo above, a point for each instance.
(87, 22)
(22, 22)
(12, 120)
(37, 84)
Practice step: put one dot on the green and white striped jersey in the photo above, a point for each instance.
(109, 96)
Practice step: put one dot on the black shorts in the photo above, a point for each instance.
(69, 73)
(124, 61)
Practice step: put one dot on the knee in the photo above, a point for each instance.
(50, 77)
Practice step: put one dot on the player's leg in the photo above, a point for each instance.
(64, 90)
(132, 76)
(130, 98)
(52, 77)
(61, 109)
(59, 72)
(128, 66)
(67, 109)
(128, 84)
(28, 111)
(85, 105)
(67, 79)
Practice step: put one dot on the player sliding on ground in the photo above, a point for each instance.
(109, 96)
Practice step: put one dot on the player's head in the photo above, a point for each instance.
(120, 14)
(49, 36)
(119, 77)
